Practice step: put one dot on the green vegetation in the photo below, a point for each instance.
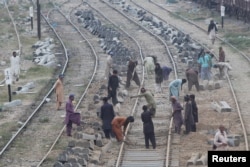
(239, 40)
(14, 8)
(49, 161)
(248, 74)
(4, 94)
(48, 5)
(44, 120)
(28, 57)
(38, 71)
(5, 132)
(61, 144)
(2, 116)
(5, 19)
(28, 40)
(176, 15)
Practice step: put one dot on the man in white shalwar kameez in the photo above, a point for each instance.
(220, 139)
(223, 68)
(109, 66)
(15, 67)
(149, 65)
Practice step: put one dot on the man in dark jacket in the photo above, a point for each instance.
(158, 77)
(132, 74)
(148, 127)
(113, 84)
(107, 115)
(189, 118)
(192, 78)
(195, 112)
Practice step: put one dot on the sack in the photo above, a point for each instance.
(214, 147)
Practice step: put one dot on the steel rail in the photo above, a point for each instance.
(204, 46)
(171, 121)
(199, 27)
(41, 103)
(176, 76)
(229, 81)
(86, 89)
(142, 81)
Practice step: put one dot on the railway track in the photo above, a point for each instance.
(34, 135)
(242, 116)
(163, 115)
(126, 153)
(236, 93)
(133, 154)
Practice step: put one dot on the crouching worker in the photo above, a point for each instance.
(149, 98)
(117, 124)
(71, 116)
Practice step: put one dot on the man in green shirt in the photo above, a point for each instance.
(149, 98)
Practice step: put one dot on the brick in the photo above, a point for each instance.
(99, 142)
(13, 103)
(233, 142)
(58, 164)
(222, 106)
(203, 85)
(107, 146)
(202, 160)
(210, 85)
(234, 136)
(63, 157)
(218, 84)
(83, 162)
(95, 158)
(193, 159)
(210, 141)
(86, 144)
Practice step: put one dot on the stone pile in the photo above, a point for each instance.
(109, 39)
(86, 147)
(24, 89)
(14, 103)
(43, 54)
(188, 50)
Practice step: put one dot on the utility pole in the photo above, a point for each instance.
(38, 19)
(8, 81)
(31, 17)
(222, 12)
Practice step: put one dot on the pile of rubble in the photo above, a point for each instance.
(43, 55)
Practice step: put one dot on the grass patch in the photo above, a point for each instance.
(5, 132)
(20, 96)
(4, 94)
(2, 116)
(176, 15)
(44, 120)
(61, 144)
(49, 161)
(248, 74)
(5, 19)
(28, 57)
(38, 71)
(48, 5)
(13, 8)
(29, 40)
(241, 41)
